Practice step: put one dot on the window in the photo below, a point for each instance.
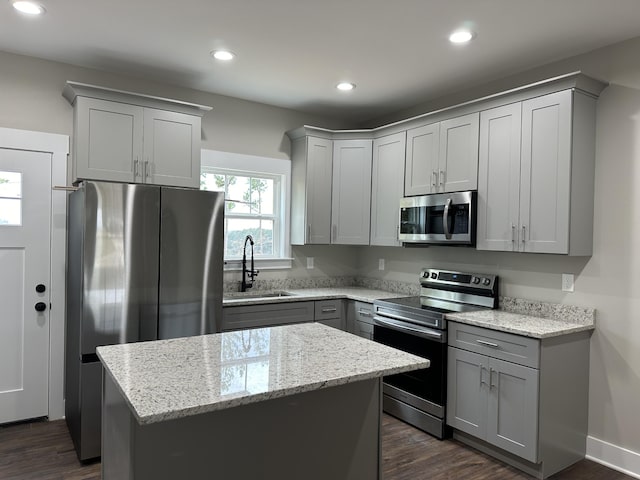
(10, 198)
(256, 203)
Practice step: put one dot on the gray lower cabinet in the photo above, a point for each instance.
(266, 315)
(494, 400)
(328, 312)
(331, 313)
(521, 399)
(360, 319)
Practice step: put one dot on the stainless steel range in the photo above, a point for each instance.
(418, 325)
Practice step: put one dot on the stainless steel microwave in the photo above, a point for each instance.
(439, 219)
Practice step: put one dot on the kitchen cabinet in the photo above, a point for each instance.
(351, 192)
(311, 177)
(360, 319)
(266, 315)
(125, 137)
(522, 399)
(495, 401)
(536, 175)
(387, 182)
(331, 313)
(442, 157)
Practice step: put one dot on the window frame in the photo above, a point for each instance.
(279, 170)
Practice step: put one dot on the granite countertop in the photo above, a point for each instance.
(171, 379)
(522, 324)
(360, 294)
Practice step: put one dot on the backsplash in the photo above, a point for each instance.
(402, 288)
(554, 311)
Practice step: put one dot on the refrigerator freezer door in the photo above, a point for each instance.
(191, 262)
(121, 245)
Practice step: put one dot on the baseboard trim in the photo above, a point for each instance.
(613, 456)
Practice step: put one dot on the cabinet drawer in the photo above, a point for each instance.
(505, 346)
(364, 312)
(328, 309)
(266, 315)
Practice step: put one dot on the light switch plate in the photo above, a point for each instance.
(310, 263)
(381, 264)
(567, 282)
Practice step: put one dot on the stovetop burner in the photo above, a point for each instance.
(432, 304)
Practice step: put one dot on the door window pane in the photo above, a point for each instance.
(10, 198)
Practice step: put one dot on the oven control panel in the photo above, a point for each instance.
(435, 277)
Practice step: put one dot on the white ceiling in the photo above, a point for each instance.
(291, 53)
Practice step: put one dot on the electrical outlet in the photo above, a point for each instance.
(381, 264)
(567, 282)
(310, 263)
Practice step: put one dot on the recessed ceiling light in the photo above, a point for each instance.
(460, 36)
(31, 8)
(346, 86)
(222, 55)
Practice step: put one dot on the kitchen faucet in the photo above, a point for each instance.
(247, 274)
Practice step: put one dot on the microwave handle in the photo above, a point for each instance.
(445, 219)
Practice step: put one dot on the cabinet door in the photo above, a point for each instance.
(499, 178)
(458, 156)
(318, 194)
(387, 181)
(108, 140)
(467, 391)
(546, 173)
(421, 163)
(351, 192)
(513, 409)
(171, 148)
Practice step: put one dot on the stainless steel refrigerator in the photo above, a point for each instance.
(144, 263)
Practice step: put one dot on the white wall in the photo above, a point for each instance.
(609, 280)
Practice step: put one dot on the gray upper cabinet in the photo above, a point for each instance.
(351, 192)
(311, 178)
(421, 165)
(443, 156)
(125, 137)
(387, 181)
(536, 175)
(171, 148)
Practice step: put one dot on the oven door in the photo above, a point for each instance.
(427, 386)
(438, 219)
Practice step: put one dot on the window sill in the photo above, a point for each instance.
(259, 263)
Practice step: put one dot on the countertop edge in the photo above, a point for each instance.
(261, 397)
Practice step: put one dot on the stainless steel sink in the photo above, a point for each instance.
(254, 295)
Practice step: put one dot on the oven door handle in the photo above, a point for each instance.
(410, 329)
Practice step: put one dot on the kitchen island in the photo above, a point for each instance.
(288, 402)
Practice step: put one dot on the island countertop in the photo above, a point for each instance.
(171, 379)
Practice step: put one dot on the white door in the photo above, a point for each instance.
(25, 237)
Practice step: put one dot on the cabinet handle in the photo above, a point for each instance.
(488, 344)
(481, 380)
(523, 232)
(308, 232)
(491, 384)
(329, 310)
(146, 169)
(364, 313)
(434, 178)
(513, 233)
(441, 178)
(135, 168)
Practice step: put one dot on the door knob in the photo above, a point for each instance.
(41, 307)
(40, 288)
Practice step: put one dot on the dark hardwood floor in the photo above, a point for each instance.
(43, 451)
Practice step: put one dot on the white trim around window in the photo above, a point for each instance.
(268, 167)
